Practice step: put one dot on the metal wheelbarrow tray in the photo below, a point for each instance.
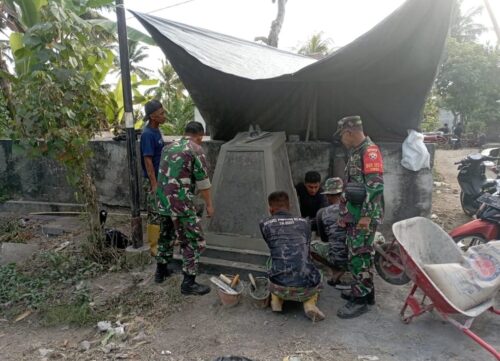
(424, 242)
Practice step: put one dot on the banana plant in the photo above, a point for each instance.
(116, 108)
(24, 14)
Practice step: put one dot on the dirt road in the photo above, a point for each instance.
(446, 193)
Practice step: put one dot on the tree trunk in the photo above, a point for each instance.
(455, 119)
(95, 247)
(272, 39)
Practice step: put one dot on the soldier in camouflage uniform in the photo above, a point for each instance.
(331, 250)
(361, 211)
(159, 229)
(182, 168)
(292, 275)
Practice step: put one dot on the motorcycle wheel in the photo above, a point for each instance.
(467, 209)
(388, 271)
(465, 242)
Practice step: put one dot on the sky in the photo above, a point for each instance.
(341, 21)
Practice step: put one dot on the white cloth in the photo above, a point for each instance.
(415, 153)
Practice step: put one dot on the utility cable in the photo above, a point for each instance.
(164, 8)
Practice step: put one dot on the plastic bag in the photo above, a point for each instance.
(415, 153)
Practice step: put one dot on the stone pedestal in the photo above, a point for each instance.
(248, 169)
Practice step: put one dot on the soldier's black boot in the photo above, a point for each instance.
(354, 308)
(370, 298)
(190, 287)
(162, 272)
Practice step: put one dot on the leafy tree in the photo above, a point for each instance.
(179, 107)
(476, 127)
(179, 111)
(316, 45)
(136, 54)
(20, 15)
(463, 25)
(469, 81)
(4, 117)
(431, 113)
(169, 83)
(59, 99)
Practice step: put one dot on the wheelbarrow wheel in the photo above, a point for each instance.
(386, 269)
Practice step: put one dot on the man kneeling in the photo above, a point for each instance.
(292, 275)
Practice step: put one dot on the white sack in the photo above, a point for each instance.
(471, 282)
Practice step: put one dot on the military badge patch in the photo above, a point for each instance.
(372, 160)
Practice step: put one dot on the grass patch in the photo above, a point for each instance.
(76, 314)
(55, 286)
(12, 231)
(156, 302)
(50, 284)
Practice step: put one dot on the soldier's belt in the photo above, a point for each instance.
(355, 193)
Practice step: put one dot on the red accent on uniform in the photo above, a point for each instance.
(372, 160)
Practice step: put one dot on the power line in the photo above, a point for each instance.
(164, 8)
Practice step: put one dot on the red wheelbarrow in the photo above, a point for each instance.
(424, 243)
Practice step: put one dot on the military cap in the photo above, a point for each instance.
(350, 122)
(333, 186)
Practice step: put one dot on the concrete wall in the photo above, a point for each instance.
(406, 193)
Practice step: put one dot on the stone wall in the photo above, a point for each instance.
(407, 193)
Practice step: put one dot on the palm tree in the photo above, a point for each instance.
(463, 26)
(136, 54)
(169, 84)
(179, 106)
(316, 46)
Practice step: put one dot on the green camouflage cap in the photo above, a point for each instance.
(350, 122)
(333, 186)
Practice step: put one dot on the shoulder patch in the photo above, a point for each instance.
(372, 160)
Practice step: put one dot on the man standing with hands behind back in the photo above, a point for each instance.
(151, 147)
(361, 211)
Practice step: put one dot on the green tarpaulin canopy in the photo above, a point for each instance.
(384, 76)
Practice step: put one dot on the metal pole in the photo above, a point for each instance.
(136, 222)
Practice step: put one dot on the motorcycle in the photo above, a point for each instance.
(473, 182)
(484, 228)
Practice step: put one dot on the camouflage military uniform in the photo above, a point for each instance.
(292, 274)
(167, 231)
(182, 168)
(364, 166)
(332, 247)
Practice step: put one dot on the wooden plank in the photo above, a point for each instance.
(223, 286)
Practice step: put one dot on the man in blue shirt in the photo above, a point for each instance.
(151, 147)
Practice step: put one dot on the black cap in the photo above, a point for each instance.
(151, 107)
